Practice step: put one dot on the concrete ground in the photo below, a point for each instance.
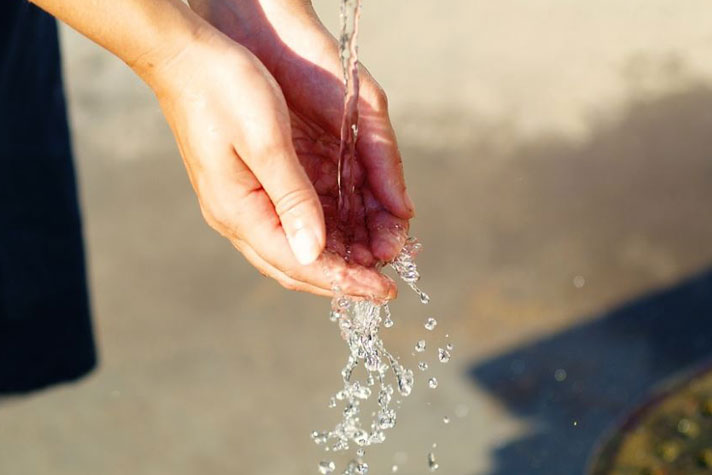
(559, 157)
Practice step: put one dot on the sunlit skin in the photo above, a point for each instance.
(292, 43)
(257, 126)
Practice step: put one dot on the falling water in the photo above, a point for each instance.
(348, 52)
(370, 368)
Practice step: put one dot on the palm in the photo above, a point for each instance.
(368, 233)
(303, 58)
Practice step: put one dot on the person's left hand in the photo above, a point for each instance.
(303, 57)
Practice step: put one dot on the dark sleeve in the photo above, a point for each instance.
(45, 329)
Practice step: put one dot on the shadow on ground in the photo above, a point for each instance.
(572, 386)
(645, 176)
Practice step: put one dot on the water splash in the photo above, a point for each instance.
(370, 369)
(404, 265)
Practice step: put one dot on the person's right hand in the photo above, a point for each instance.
(232, 126)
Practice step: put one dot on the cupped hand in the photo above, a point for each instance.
(233, 129)
(302, 56)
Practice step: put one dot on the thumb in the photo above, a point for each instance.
(300, 212)
(276, 166)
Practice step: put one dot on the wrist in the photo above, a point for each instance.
(169, 40)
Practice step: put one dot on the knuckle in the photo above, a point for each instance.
(219, 218)
(293, 201)
(268, 149)
(270, 142)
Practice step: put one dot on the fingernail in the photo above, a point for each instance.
(304, 246)
(408, 201)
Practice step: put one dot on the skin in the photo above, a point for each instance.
(251, 90)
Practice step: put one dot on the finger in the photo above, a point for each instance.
(265, 146)
(377, 146)
(254, 221)
(320, 94)
(234, 203)
(378, 150)
(270, 271)
(387, 232)
(330, 271)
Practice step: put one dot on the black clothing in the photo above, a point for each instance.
(45, 328)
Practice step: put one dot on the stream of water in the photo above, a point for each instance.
(348, 53)
(371, 370)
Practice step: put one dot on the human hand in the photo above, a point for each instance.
(288, 38)
(232, 127)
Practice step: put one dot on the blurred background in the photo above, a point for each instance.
(559, 156)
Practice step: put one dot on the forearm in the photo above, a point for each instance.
(143, 33)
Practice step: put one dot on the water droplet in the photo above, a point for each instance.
(351, 410)
(579, 281)
(423, 366)
(332, 402)
(319, 438)
(424, 298)
(384, 397)
(560, 375)
(430, 324)
(420, 346)
(361, 392)
(405, 383)
(339, 446)
(450, 346)
(443, 355)
(362, 468)
(360, 452)
(432, 464)
(386, 419)
(394, 469)
(326, 467)
(446, 420)
(361, 437)
(433, 383)
(377, 437)
(387, 319)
